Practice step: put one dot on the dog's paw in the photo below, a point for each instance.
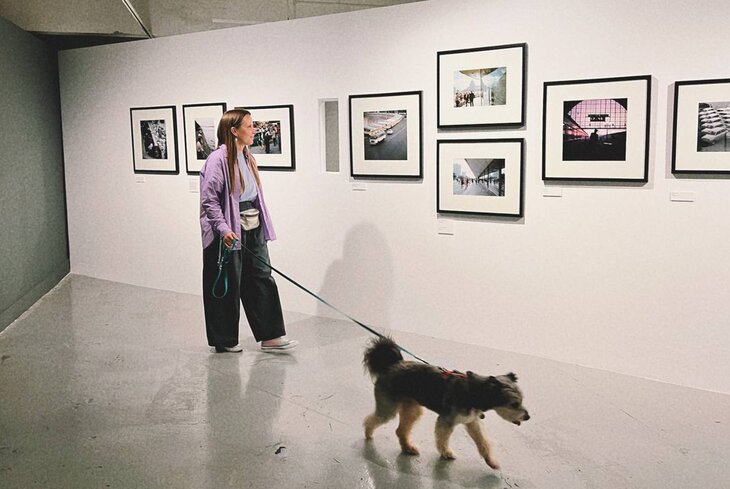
(492, 463)
(448, 455)
(410, 450)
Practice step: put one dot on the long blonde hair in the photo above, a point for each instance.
(234, 118)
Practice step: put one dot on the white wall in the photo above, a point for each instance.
(610, 276)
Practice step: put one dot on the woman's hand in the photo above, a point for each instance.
(228, 239)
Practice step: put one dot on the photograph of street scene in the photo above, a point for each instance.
(267, 139)
(714, 123)
(479, 176)
(386, 135)
(204, 137)
(595, 130)
(154, 139)
(480, 88)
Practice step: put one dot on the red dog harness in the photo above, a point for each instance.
(451, 373)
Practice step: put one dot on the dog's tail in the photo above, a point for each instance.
(381, 355)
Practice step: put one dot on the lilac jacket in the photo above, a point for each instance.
(219, 211)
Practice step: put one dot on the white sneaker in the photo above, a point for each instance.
(282, 345)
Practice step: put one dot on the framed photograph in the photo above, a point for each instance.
(385, 135)
(701, 141)
(480, 176)
(482, 87)
(154, 139)
(596, 129)
(200, 123)
(273, 144)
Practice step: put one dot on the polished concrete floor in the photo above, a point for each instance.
(110, 385)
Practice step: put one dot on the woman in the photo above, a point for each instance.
(230, 185)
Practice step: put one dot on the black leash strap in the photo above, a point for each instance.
(362, 325)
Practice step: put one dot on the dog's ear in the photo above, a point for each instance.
(470, 375)
(512, 376)
(493, 381)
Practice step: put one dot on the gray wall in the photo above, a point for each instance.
(33, 230)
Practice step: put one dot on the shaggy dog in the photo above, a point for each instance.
(402, 387)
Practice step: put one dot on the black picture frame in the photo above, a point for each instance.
(153, 152)
(281, 156)
(495, 192)
(384, 143)
(194, 157)
(620, 107)
(495, 106)
(701, 127)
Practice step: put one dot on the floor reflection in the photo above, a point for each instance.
(242, 422)
(407, 471)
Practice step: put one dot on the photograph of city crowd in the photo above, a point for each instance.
(386, 135)
(204, 137)
(714, 123)
(267, 139)
(154, 139)
(479, 176)
(479, 88)
(595, 130)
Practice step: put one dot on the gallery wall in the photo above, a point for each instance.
(611, 276)
(33, 218)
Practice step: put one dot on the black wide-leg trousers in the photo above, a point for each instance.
(249, 281)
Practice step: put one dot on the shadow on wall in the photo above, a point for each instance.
(361, 282)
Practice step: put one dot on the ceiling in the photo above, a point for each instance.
(77, 23)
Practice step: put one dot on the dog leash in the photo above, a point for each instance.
(224, 254)
(362, 325)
